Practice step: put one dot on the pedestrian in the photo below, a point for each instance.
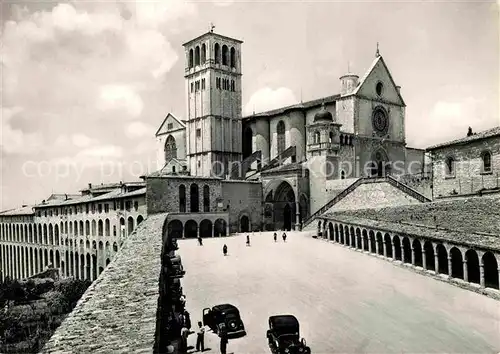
(200, 240)
(184, 337)
(223, 342)
(248, 240)
(200, 337)
(187, 320)
(284, 237)
(275, 237)
(224, 250)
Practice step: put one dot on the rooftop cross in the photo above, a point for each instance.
(212, 26)
(377, 54)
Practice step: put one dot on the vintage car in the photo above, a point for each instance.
(224, 320)
(284, 337)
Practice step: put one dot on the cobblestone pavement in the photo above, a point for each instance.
(346, 301)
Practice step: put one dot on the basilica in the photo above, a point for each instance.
(301, 155)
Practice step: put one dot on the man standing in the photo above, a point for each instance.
(284, 237)
(200, 240)
(224, 250)
(184, 338)
(223, 342)
(200, 337)
(275, 237)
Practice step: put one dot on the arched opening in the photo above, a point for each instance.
(380, 243)
(417, 253)
(139, 219)
(490, 267)
(107, 261)
(358, 239)
(170, 148)
(457, 263)
(225, 53)
(217, 53)
(247, 142)
(244, 224)
(89, 260)
(107, 227)
(397, 248)
(191, 229)
(130, 225)
(442, 259)
(174, 229)
(380, 164)
(330, 232)
(191, 58)
(284, 206)
(182, 198)
(365, 241)
(347, 236)
(194, 198)
(220, 228)
(197, 55)
(203, 53)
(486, 157)
(280, 131)
(472, 266)
(406, 250)
(94, 267)
(206, 228)
(373, 243)
(100, 228)
(233, 58)
(450, 166)
(206, 199)
(388, 245)
(429, 255)
(318, 231)
(341, 232)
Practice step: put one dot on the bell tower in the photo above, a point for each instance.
(213, 87)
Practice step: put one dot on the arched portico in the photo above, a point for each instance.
(285, 207)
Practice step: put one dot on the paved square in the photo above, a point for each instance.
(346, 301)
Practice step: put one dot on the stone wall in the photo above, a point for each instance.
(162, 193)
(469, 176)
(243, 198)
(373, 195)
(117, 313)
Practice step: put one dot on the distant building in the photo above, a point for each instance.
(468, 165)
(79, 234)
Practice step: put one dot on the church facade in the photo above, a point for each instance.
(301, 154)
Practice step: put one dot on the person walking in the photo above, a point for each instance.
(275, 237)
(200, 240)
(248, 240)
(184, 336)
(224, 250)
(200, 337)
(284, 237)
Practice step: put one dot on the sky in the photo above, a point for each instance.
(86, 84)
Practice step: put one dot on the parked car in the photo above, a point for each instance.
(283, 336)
(226, 319)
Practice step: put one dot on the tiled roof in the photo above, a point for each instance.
(481, 135)
(117, 313)
(305, 105)
(25, 210)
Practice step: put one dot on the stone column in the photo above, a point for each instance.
(362, 243)
(369, 244)
(424, 259)
(91, 269)
(412, 255)
(402, 253)
(384, 245)
(481, 274)
(436, 263)
(466, 270)
(297, 216)
(227, 228)
(355, 240)
(393, 251)
(213, 229)
(449, 267)
(376, 246)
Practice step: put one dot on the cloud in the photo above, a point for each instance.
(15, 141)
(139, 129)
(449, 120)
(116, 97)
(266, 99)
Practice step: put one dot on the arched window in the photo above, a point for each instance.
(190, 58)
(203, 53)
(206, 199)
(194, 198)
(182, 198)
(342, 174)
(217, 53)
(341, 139)
(486, 157)
(317, 137)
(197, 56)
(224, 55)
(450, 166)
(170, 148)
(233, 58)
(280, 129)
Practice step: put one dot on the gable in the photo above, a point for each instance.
(379, 72)
(169, 124)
